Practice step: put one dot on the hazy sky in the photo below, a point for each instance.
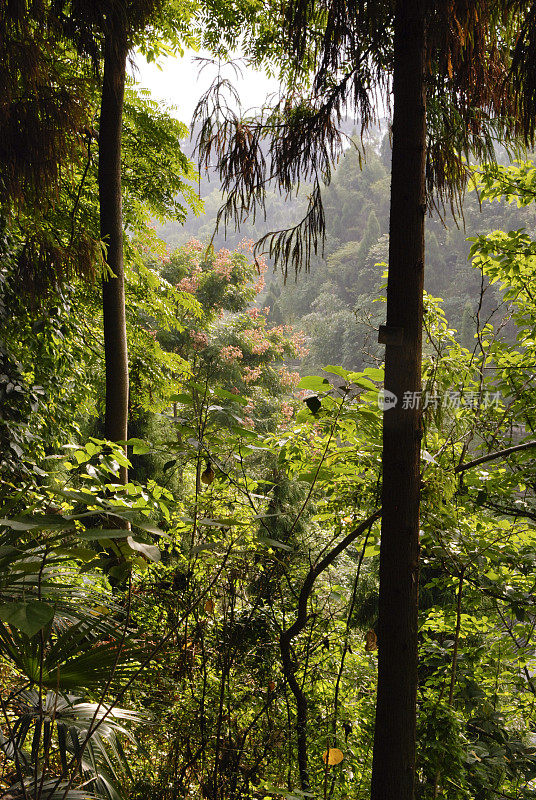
(179, 83)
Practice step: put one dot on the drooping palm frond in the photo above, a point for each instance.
(48, 790)
(524, 71)
(296, 141)
(41, 110)
(471, 107)
(74, 659)
(348, 48)
(85, 639)
(85, 737)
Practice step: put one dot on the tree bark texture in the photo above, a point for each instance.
(394, 742)
(111, 230)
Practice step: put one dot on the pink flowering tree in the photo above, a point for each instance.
(231, 343)
(224, 376)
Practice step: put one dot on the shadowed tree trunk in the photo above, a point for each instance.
(394, 742)
(111, 229)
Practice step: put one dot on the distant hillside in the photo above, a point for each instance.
(336, 302)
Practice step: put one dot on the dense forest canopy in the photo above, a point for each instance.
(207, 606)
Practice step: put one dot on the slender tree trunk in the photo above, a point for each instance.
(111, 229)
(393, 766)
(288, 634)
(301, 709)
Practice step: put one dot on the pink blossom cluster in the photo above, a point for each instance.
(193, 249)
(231, 353)
(246, 245)
(290, 379)
(258, 342)
(298, 340)
(278, 333)
(190, 283)
(279, 347)
(251, 374)
(281, 330)
(248, 419)
(223, 264)
(254, 313)
(287, 411)
(200, 339)
(193, 246)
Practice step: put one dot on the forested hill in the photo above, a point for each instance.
(336, 304)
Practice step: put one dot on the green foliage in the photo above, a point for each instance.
(63, 636)
(165, 601)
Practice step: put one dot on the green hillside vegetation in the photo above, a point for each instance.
(336, 304)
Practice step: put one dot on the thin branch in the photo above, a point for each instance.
(494, 456)
(287, 635)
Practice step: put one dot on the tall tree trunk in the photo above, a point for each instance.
(111, 229)
(393, 766)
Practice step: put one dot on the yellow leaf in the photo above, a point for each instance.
(333, 756)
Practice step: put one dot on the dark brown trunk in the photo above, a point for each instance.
(111, 229)
(301, 710)
(393, 766)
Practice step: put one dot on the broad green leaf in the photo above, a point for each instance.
(375, 373)
(361, 380)
(314, 383)
(150, 551)
(19, 526)
(182, 397)
(100, 534)
(343, 373)
(139, 447)
(28, 617)
(273, 543)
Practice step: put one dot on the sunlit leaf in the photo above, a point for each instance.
(332, 756)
